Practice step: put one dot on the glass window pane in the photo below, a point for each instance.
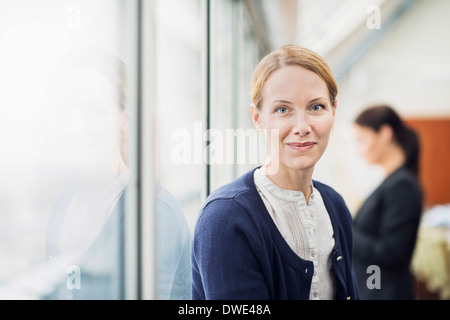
(64, 123)
(223, 24)
(180, 114)
(234, 55)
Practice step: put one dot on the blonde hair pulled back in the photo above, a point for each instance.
(291, 55)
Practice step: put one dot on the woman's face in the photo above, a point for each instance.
(89, 123)
(295, 107)
(370, 143)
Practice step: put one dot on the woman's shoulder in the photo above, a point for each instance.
(402, 181)
(234, 190)
(232, 200)
(229, 212)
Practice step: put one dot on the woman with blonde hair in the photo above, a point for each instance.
(274, 233)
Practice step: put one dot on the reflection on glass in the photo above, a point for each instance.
(85, 233)
(67, 171)
(62, 128)
(179, 105)
(174, 249)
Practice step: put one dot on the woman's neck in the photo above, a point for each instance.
(394, 159)
(291, 179)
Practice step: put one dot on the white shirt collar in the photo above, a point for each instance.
(285, 194)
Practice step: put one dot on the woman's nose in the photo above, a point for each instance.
(301, 125)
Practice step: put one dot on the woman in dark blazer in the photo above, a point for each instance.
(385, 227)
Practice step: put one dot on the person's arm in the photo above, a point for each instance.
(398, 227)
(225, 255)
(174, 249)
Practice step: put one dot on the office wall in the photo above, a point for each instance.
(408, 68)
(435, 151)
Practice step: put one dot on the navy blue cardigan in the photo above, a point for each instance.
(238, 252)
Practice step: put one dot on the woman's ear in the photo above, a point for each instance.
(334, 107)
(255, 117)
(123, 122)
(386, 133)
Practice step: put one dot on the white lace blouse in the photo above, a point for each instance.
(306, 227)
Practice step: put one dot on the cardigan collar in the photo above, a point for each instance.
(326, 193)
(284, 194)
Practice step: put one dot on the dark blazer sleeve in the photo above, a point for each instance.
(225, 255)
(392, 244)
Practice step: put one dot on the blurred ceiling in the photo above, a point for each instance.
(343, 30)
(339, 30)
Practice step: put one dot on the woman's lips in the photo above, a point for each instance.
(301, 146)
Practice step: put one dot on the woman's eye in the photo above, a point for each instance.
(317, 107)
(282, 110)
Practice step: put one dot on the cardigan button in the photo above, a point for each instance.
(306, 270)
(339, 258)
